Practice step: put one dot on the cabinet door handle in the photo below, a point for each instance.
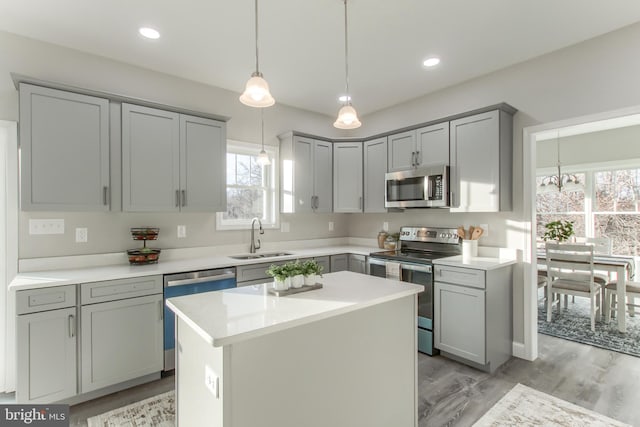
(413, 157)
(72, 326)
(177, 198)
(184, 197)
(105, 191)
(161, 310)
(417, 158)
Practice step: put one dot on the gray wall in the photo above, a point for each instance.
(594, 76)
(589, 148)
(109, 232)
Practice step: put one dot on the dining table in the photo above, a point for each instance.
(622, 266)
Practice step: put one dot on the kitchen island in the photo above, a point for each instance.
(343, 355)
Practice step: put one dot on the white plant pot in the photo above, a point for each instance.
(279, 285)
(297, 281)
(287, 283)
(310, 279)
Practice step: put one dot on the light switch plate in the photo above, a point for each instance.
(284, 227)
(212, 381)
(82, 235)
(46, 226)
(331, 225)
(485, 229)
(385, 226)
(182, 231)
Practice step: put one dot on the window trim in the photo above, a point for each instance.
(241, 147)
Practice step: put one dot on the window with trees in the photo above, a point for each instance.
(608, 206)
(251, 188)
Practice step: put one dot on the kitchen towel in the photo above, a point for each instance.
(392, 270)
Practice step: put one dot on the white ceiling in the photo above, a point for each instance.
(302, 45)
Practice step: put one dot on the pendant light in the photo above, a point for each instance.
(347, 116)
(561, 181)
(256, 92)
(263, 157)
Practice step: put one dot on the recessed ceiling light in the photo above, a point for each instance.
(149, 33)
(344, 98)
(431, 62)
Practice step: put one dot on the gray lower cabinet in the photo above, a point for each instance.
(172, 162)
(473, 315)
(481, 150)
(122, 328)
(324, 262)
(46, 328)
(64, 143)
(347, 177)
(358, 263)
(339, 262)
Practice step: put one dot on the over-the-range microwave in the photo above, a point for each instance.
(426, 187)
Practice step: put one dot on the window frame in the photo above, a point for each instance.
(590, 208)
(252, 149)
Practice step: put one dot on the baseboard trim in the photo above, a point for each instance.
(518, 350)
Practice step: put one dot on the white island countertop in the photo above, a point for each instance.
(234, 315)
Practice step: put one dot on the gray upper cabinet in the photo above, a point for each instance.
(347, 177)
(306, 174)
(375, 166)
(64, 141)
(481, 162)
(402, 149)
(150, 159)
(426, 146)
(432, 145)
(203, 153)
(172, 162)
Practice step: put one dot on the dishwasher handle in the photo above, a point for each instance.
(214, 278)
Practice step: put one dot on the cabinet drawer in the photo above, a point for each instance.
(91, 293)
(460, 276)
(44, 299)
(255, 271)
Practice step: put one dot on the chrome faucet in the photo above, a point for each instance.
(255, 246)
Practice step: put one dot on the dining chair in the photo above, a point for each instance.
(632, 290)
(570, 272)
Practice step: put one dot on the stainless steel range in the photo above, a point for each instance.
(412, 262)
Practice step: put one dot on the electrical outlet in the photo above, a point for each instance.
(385, 226)
(46, 226)
(485, 229)
(182, 231)
(212, 381)
(330, 225)
(284, 227)
(82, 235)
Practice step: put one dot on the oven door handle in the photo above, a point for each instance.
(415, 267)
(376, 261)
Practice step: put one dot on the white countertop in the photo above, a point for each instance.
(40, 279)
(238, 314)
(477, 263)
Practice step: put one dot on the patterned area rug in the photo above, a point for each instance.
(573, 323)
(524, 406)
(157, 411)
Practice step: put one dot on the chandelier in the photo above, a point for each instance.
(560, 181)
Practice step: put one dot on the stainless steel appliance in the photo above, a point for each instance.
(426, 187)
(412, 262)
(193, 282)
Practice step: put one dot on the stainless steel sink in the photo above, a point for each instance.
(260, 256)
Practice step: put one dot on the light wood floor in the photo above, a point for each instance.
(451, 394)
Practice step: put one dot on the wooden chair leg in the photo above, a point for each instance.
(549, 302)
(607, 305)
(593, 312)
(630, 308)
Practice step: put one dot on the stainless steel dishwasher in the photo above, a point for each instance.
(193, 282)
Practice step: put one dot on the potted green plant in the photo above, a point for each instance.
(296, 272)
(281, 279)
(560, 230)
(311, 270)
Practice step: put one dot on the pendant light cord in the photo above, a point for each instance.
(346, 55)
(262, 127)
(256, 10)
